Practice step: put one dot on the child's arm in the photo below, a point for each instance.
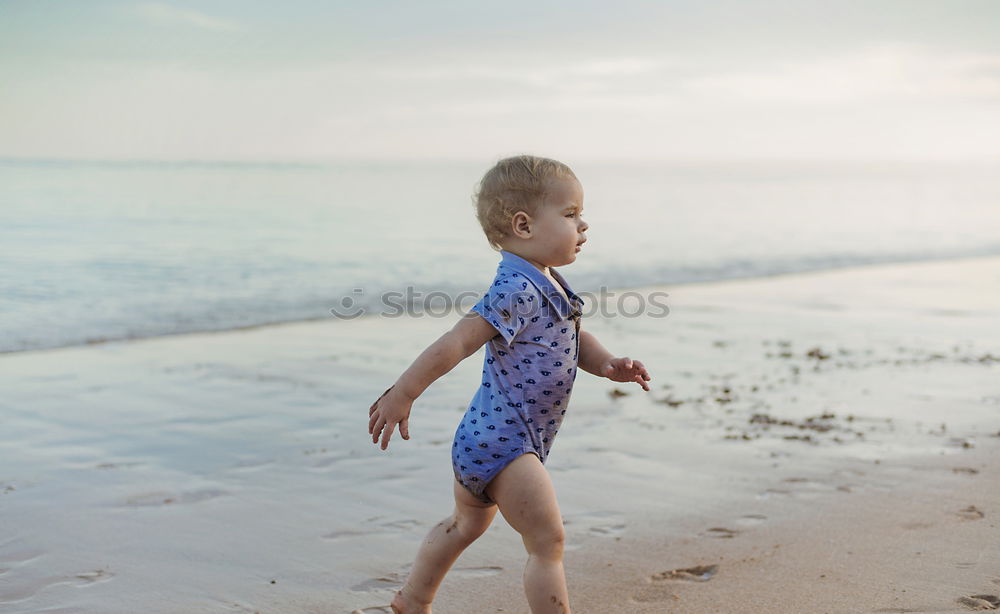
(393, 407)
(597, 360)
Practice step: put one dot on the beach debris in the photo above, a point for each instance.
(615, 393)
(824, 416)
(725, 397)
(701, 573)
(961, 442)
(768, 420)
(817, 353)
(967, 470)
(670, 400)
(806, 438)
(980, 602)
(820, 424)
(971, 513)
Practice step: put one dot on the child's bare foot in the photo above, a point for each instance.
(401, 604)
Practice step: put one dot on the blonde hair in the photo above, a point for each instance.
(518, 183)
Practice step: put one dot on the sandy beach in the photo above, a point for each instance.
(818, 442)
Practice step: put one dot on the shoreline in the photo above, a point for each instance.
(641, 288)
(231, 472)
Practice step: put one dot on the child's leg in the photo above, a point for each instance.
(441, 548)
(526, 498)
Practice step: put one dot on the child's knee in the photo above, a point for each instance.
(547, 542)
(471, 526)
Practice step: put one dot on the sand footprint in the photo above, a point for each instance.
(772, 493)
(405, 524)
(93, 577)
(980, 602)
(378, 609)
(475, 572)
(343, 533)
(384, 528)
(607, 530)
(701, 573)
(970, 513)
(395, 580)
(720, 533)
(158, 498)
(657, 590)
(750, 520)
(234, 606)
(812, 488)
(602, 524)
(388, 581)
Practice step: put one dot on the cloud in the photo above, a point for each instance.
(165, 14)
(882, 100)
(886, 72)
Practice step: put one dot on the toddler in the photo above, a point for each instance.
(530, 209)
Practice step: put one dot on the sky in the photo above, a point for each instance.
(629, 80)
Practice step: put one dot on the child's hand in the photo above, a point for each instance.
(386, 412)
(626, 370)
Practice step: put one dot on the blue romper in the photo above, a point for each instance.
(528, 373)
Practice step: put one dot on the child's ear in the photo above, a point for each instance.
(521, 225)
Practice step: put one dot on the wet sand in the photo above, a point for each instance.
(823, 442)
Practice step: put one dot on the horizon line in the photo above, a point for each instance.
(325, 160)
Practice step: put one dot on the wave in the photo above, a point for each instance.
(442, 299)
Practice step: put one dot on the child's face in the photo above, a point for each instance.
(558, 229)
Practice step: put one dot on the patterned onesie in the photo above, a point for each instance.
(528, 373)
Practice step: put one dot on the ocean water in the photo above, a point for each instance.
(114, 250)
